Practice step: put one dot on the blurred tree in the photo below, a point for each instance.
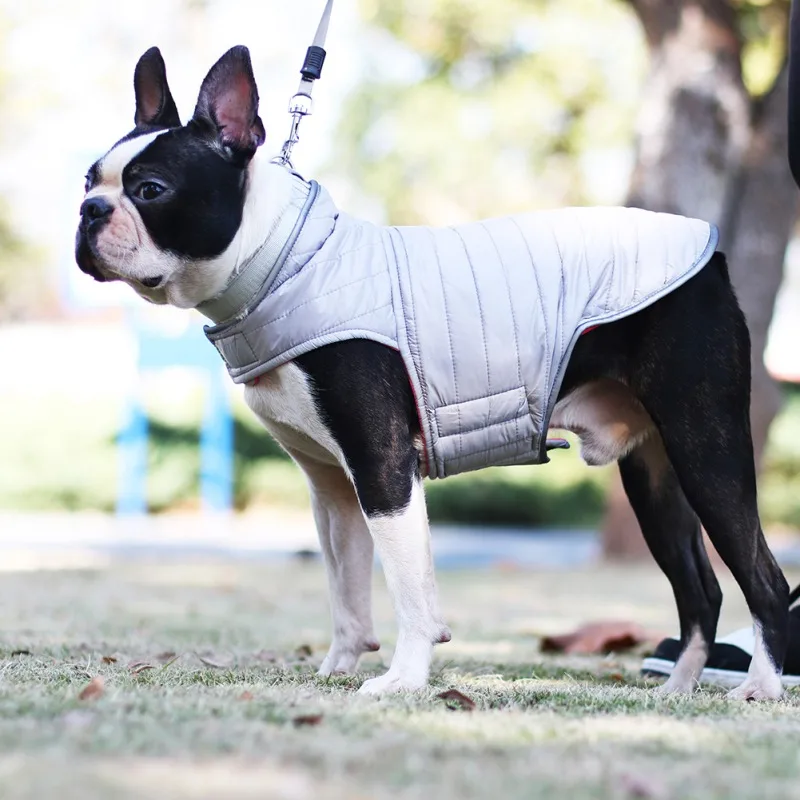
(514, 105)
(18, 273)
(482, 107)
(17, 286)
(712, 143)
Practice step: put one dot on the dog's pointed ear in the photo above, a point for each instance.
(228, 104)
(155, 107)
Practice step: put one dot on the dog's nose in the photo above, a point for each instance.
(95, 209)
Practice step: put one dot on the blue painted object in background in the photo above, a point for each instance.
(189, 349)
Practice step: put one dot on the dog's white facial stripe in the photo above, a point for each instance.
(125, 247)
(113, 163)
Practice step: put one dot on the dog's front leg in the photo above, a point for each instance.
(403, 541)
(348, 552)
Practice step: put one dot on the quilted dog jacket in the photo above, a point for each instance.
(485, 314)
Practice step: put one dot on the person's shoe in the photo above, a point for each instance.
(729, 658)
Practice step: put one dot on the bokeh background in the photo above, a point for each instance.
(435, 111)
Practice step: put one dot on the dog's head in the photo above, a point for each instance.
(166, 201)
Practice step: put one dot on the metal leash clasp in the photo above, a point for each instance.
(300, 106)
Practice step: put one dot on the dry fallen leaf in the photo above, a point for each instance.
(304, 651)
(168, 655)
(307, 719)
(109, 660)
(456, 700)
(21, 652)
(94, 689)
(138, 667)
(597, 637)
(215, 664)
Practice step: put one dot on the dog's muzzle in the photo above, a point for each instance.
(95, 214)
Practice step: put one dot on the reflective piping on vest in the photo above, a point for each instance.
(255, 278)
(485, 315)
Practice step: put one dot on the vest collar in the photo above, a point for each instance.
(258, 270)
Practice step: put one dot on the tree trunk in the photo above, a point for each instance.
(706, 149)
(761, 215)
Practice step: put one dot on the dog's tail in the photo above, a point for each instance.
(794, 92)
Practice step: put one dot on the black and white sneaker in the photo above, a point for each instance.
(730, 656)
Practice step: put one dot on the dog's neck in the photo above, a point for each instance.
(269, 214)
(269, 193)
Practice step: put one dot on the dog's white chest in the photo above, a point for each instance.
(283, 401)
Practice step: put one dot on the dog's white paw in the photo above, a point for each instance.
(753, 689)
(392, 683)
(342, 658)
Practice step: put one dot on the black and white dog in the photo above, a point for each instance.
(172, 210)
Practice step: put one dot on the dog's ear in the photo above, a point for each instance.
(228, 105)
(155, 107)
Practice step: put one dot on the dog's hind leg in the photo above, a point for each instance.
(697, 390)
(348, 552)
(672, 532)
(718, 476)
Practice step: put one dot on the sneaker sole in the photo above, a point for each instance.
(719, 677)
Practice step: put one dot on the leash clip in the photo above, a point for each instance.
(301, 105)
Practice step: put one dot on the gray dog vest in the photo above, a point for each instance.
(485, 315)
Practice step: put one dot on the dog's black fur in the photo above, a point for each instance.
(686, 358)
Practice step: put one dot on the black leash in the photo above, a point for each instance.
(300, 105)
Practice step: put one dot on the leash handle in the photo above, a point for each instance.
(301, 105)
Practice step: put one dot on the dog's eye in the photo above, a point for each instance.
(149, 190)
(88, 183)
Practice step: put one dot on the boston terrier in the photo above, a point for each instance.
(378, 356)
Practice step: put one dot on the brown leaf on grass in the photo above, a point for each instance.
(138, 667)
(304, 651)
(246, 696)
(456, 701)
(597, 637)
(21, 652)
(167, 655)
(94, 689)
(307, 720)
(209, 662)
(109, 660)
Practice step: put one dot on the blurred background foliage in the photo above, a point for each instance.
(482, 108)
(463, 109)
(77, 470)
(21, 264)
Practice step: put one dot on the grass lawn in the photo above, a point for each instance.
(220, 718)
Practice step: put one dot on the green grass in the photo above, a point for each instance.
(544, 726)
